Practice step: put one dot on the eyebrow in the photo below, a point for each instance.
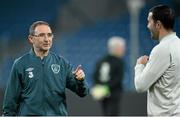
(44, 33)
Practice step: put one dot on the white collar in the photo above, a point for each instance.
(167, 37)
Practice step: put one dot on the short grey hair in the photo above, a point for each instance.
(35, 24)
(113, 42)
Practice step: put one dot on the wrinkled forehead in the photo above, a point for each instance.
(42, 29)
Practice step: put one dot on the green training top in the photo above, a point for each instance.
(37, 86)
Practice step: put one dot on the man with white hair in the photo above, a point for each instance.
(108, 77)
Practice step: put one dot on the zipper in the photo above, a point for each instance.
(43, 87)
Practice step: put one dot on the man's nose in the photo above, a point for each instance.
(46, 38)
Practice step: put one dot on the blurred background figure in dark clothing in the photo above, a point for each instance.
(108, 77)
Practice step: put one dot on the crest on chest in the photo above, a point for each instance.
(55, 68)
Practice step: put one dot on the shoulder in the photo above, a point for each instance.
(160, 49)
(174, 42)
(100, 61)
(21, 60)
(165, 46)
(104, 59)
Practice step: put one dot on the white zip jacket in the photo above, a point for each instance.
(160, 77)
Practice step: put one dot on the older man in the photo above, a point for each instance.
(108, 77)
(38, 79)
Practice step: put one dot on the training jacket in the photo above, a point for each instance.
(37, 86)
(160, 77)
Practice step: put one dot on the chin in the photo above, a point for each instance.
(45, 49)
(154, 37)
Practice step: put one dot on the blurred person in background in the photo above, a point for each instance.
(159, 74)
(108, 77)
(38, 79)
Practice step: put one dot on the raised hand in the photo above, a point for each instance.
(79, 73)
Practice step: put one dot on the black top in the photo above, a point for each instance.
(112, 68)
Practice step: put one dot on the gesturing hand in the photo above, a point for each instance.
(79, 73)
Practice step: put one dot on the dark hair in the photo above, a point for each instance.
(164, 14)
(34, 25)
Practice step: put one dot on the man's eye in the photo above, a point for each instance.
(41, 35)
(49, 34)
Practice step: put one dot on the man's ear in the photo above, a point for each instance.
(30, 38)
(158, 24)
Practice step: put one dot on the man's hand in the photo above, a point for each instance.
(142, 60)
(79, 73)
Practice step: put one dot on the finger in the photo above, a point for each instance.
(79, 73)
(146, 57)
(80, 77)
(77, 69)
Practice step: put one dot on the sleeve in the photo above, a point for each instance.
(79, 87)
(146, 76)
(12, 93)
